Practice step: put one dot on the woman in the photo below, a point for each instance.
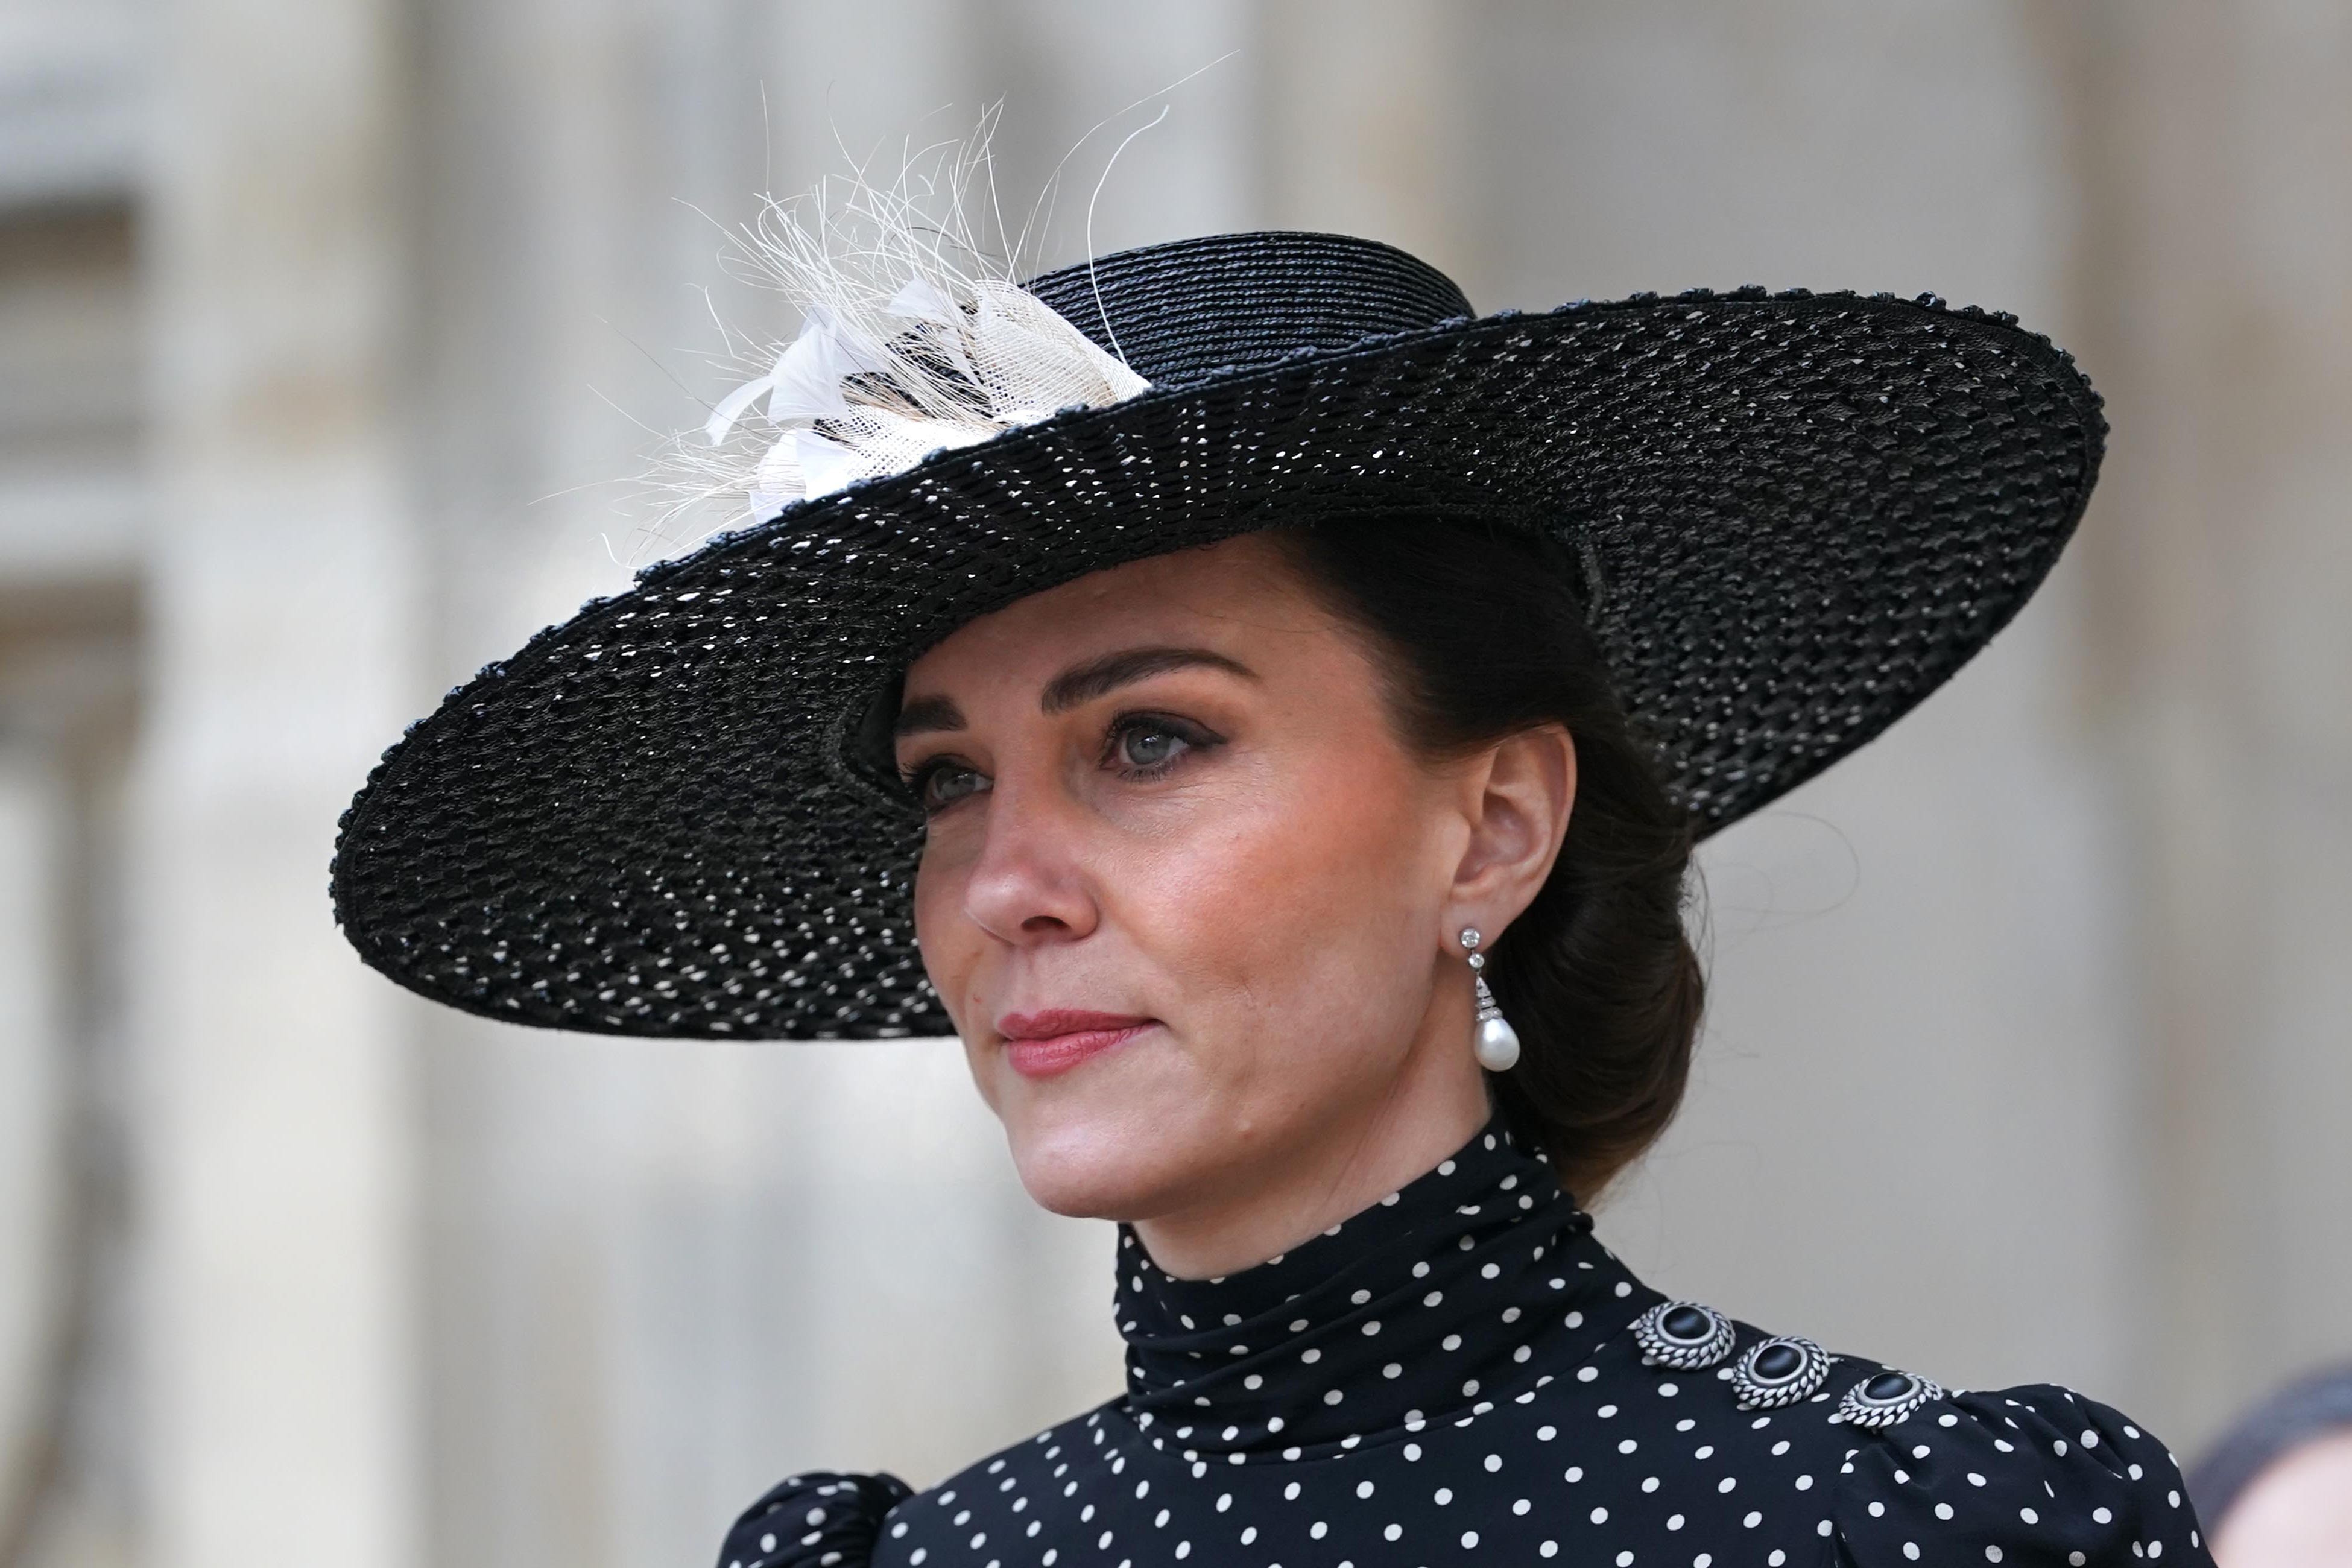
(2277, 1486)
(1269, 728)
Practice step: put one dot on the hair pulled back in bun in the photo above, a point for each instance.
(1481, 635)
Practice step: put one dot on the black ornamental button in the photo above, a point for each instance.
(1779, 1372)
(1887, 1398)
(1684, 1335)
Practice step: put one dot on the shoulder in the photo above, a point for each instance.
(827, 1520)
(2036, 1474)
(1907, 1471)
(1011, 1491)
(820, 1519)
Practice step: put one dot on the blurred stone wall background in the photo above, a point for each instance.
(323, 327)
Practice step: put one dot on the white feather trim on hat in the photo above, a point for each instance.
(912, 339)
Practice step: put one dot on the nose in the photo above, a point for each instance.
(1028, 885)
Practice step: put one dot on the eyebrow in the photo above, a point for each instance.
(1078, 684)
(1099, 676)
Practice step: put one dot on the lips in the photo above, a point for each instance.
(1043, 1045)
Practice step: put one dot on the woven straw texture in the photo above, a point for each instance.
(1798, 515)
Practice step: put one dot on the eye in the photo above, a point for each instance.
(940, 784)
(1149, 746)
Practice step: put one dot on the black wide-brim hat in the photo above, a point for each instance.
(1796, 515)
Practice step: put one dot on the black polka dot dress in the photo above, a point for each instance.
(1462, 1374)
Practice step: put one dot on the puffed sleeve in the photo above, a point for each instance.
(815, 1521)
(2033, 1477)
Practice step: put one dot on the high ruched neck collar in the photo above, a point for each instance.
(1456, 1290)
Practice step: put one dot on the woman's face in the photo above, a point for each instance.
(2295, 1514)
(1189, 900)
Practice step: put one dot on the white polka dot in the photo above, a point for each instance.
(1549, 1549)
(1600, 1516)
(1804, 1483)
(1443, 1495)
(1674, 1522)
(1469, 1539)
(2028, 1515)
(2101, 1516)
(1992, 1553)
(1753, 1520)
(1318, 1530)
(1729, 1482)
(1393, 1531)
(1521, 1506)
(1624, 1288)
(1911, 1550)
(1877, 1508)
(1624, 1559)
(1546, 1434)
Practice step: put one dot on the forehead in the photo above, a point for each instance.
(1241, 597)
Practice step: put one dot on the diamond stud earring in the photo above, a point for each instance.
(1495, 1042)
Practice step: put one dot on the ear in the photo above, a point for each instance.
(1519, 816)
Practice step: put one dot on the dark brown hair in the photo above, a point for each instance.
(1482, 635)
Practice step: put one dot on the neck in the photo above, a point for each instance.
(1353, 1159)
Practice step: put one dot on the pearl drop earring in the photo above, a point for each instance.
(1496, 1043)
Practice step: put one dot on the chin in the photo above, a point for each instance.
(1110, 1162)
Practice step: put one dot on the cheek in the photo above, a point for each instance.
(946, 939)
(1297, 925)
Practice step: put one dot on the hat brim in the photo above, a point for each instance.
(1798, 515)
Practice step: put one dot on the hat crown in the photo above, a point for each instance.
(1182, 312)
